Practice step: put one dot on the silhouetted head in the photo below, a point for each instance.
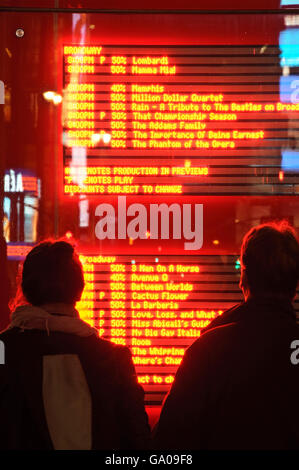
(270, 261)
(52, 273)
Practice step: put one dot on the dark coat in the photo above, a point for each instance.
(119, 420)
(236, 387)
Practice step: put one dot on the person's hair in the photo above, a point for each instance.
(52, 273)
(270, 260)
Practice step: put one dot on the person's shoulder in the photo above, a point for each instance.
(230, 315)
(116, 357)
(9, 335)
(204, 353)
(8, 332)
(116, 351)
(215, 336)
(105, 344)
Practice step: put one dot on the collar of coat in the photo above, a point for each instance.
(51, 317)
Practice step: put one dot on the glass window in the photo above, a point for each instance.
(153, 142)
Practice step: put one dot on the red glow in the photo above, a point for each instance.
(147, 306)
(69, 235)
(172, 132)
(151, 103)
(17, 251)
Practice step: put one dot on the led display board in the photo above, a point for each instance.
(157, 306)
(176, 120)
(153, 138)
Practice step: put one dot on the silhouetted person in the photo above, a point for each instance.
(63, 387)
(237, 386)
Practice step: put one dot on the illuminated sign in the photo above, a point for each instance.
(150, 133)
(290, 160)
(176, 119)
(20, 181)
(13, 182)
(157, 306)
(18, 251)
(288, 2)
(288, 42)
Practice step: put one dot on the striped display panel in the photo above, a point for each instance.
(157, 306)
(212, 120)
